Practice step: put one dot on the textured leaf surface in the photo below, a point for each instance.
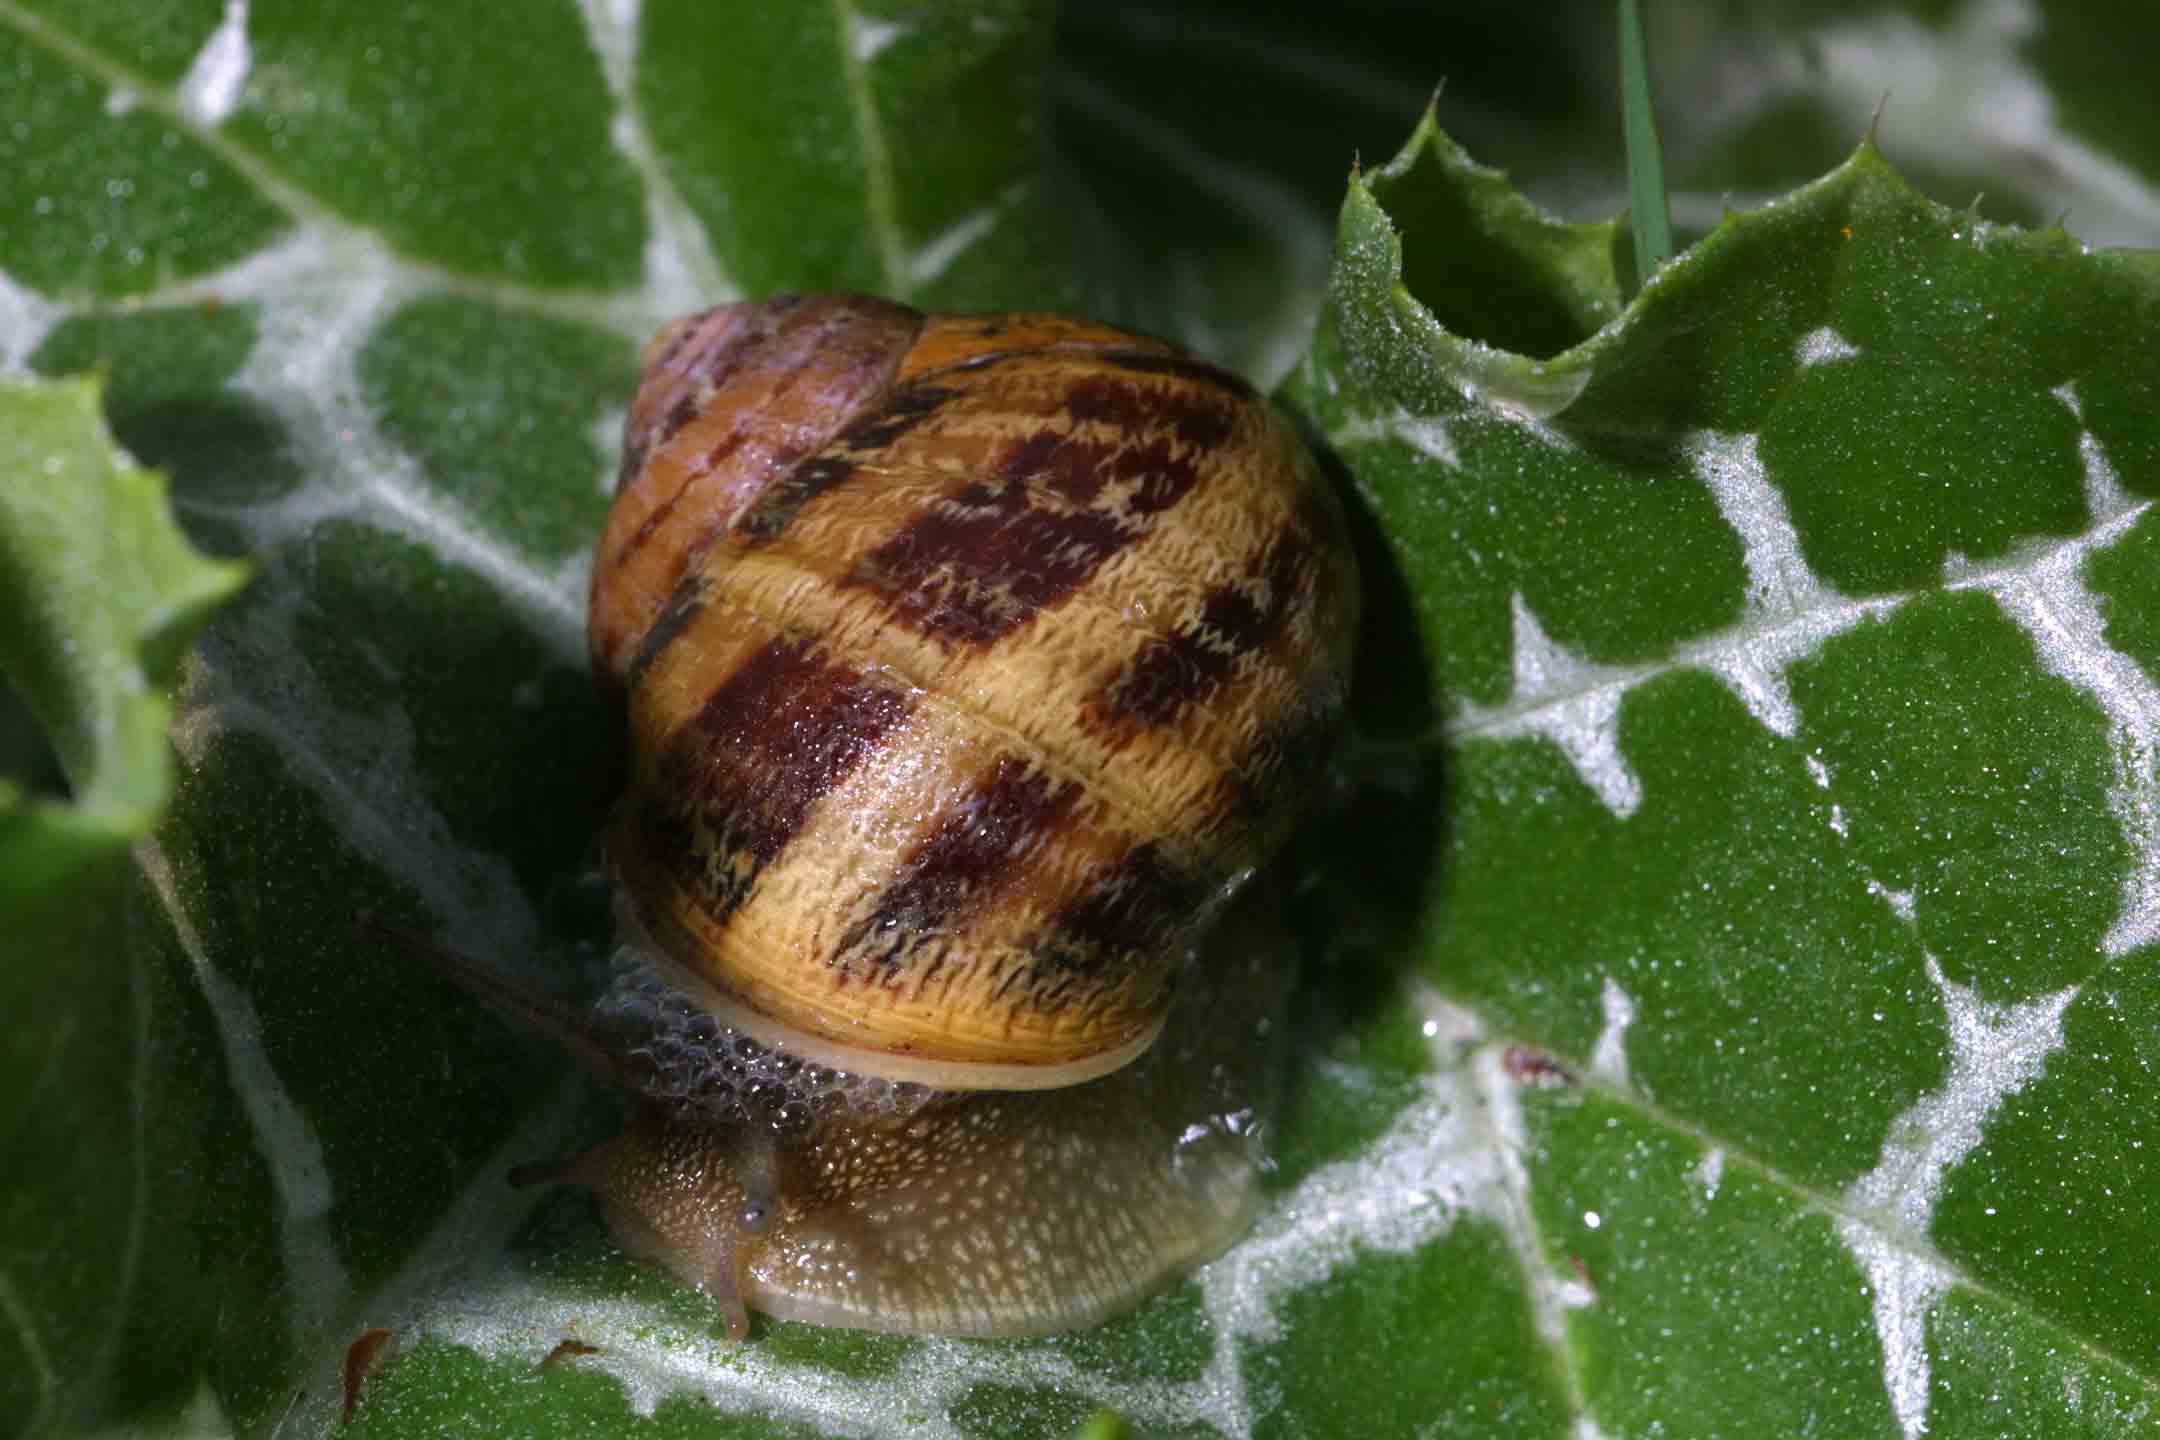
(103, 592)
(1778, 919)
(1213, 134)
(2022, 106)
(99, 595)
(1800, 757)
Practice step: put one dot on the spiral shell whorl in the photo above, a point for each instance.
(731, 400)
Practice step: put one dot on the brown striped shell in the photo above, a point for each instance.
(971, 663)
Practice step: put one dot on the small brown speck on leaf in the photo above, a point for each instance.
(566, 1351)
(363, 1358)
(1534, 1069)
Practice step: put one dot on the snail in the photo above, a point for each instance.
(971, 665)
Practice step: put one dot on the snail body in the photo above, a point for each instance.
(908, 1209)
(971, 664)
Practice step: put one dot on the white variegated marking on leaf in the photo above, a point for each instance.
(605, 435)
(867, 38)
(1711, 1172)
(1586, 727)
(1996, 1051)
(1446, 1155)
(681, 272)
(574, 575)
(45, 1381)
(1502, 1194)
(1965, 98)
(1779, 580)
(1819, 772)
(1417, 1180)
(1426, 434)
(1902, 903)
(211, 88)
(1429, 437)
(553, 613)
(1902, 1288)
(119, 100)
(100, 67)
(1414, 1185)
(654, 1356)
(2047, 597)
(481, 1220)
(1753, 660)
(321, 297)
(316, 1283)
(1456, 1151)
(358, 765)
(1245, 189)
(26, 318)
(2067, 393)
(202, 1416)
(2104, 493)
(1822, 346)
(1363, 428)
(1576, 702)
(1608, 1060)
(1505, 1199)
(929, 262)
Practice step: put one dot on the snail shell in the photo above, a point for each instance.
(970, 664)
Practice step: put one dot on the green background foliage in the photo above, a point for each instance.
(1730, 996)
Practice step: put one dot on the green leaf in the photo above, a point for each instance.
(1779, 647)
(371, 287)
(100, 596)
(2024, 110)
(1203, 145)
(906, 141)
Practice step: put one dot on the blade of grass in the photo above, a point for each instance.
(1648, 206)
